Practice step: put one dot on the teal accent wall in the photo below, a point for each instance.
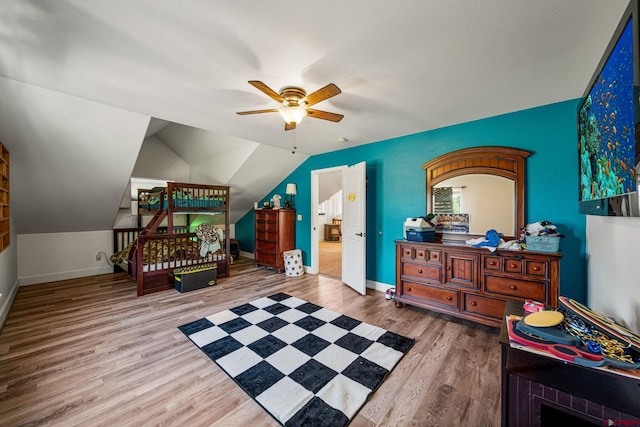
(396, 184)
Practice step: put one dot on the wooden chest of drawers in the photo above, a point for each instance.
(275, 233)
(473, 283)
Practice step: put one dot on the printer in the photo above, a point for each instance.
(420, 229)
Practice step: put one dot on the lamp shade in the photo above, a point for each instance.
(293, 114)
(291, 189)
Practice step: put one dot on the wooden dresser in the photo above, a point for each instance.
(473, 283)
(275, 233)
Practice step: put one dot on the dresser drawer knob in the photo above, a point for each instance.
(449, 298)
(419, 271)
(434, 256)
(409, 289)
(513, 265)
(492, 263)
(513, 287)
(473, 303)
(536, 268)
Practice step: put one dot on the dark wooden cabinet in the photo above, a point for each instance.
(275, 233)
(542, 391)
(473, 283)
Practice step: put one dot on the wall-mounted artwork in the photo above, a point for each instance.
(452, 223)
(608, 124)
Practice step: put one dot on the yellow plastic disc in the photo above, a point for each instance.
(544, 318)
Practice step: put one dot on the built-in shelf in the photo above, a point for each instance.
(5, 229)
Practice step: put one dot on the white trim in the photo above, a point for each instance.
(66, 275)
(8, 302)
(378, 286)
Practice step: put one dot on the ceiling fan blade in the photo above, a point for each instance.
(325, 115)
(267, 90)
(244, 113)
(321, 94)
(289, 126)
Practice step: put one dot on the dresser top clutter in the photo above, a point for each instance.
(451, 264)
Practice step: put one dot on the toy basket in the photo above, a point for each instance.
(293, 263)
(543, 243)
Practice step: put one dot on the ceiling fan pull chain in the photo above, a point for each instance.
(294, 148)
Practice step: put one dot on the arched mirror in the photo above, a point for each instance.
(477, 189)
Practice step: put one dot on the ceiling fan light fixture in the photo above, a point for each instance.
(293, 115)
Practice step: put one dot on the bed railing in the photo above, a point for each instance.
(183, 197)
(122, 237)
(154, 256)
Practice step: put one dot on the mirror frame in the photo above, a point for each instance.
(501, 161)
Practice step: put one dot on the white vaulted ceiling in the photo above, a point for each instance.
(81, 80)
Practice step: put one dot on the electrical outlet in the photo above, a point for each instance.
(98, 256)
(300, 217)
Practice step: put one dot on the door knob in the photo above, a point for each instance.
(360, 234)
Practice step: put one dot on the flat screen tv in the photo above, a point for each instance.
(608, 117)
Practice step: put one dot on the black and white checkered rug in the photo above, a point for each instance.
(304, 364)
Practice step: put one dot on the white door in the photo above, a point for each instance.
(354, 241)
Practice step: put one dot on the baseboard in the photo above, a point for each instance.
(66, 275)
(246, 254)
(8, 302)
(378, 286)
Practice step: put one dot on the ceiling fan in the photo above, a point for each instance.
(295, 103)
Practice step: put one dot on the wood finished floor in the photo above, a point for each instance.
(88, 352)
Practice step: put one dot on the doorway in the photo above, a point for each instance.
(351, 217)
(327, 242)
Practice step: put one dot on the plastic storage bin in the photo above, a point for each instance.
(293, 263)
(543, 243)
(421, 236)
(195, 277)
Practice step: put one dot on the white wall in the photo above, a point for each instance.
(60, 256)
(157, 161)
(613, 248)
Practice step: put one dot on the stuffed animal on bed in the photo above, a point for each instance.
(210, 238)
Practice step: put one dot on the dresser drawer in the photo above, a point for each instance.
(267, 235)
(536, 268)
(268, 258)
(429, 273)
(513, 265)
(267, 215)
(264, 246)
(492, 263)
(433, 294)
(523, 289)
(266, 227)
(432, 256)
(485, 306)
(407, 253)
